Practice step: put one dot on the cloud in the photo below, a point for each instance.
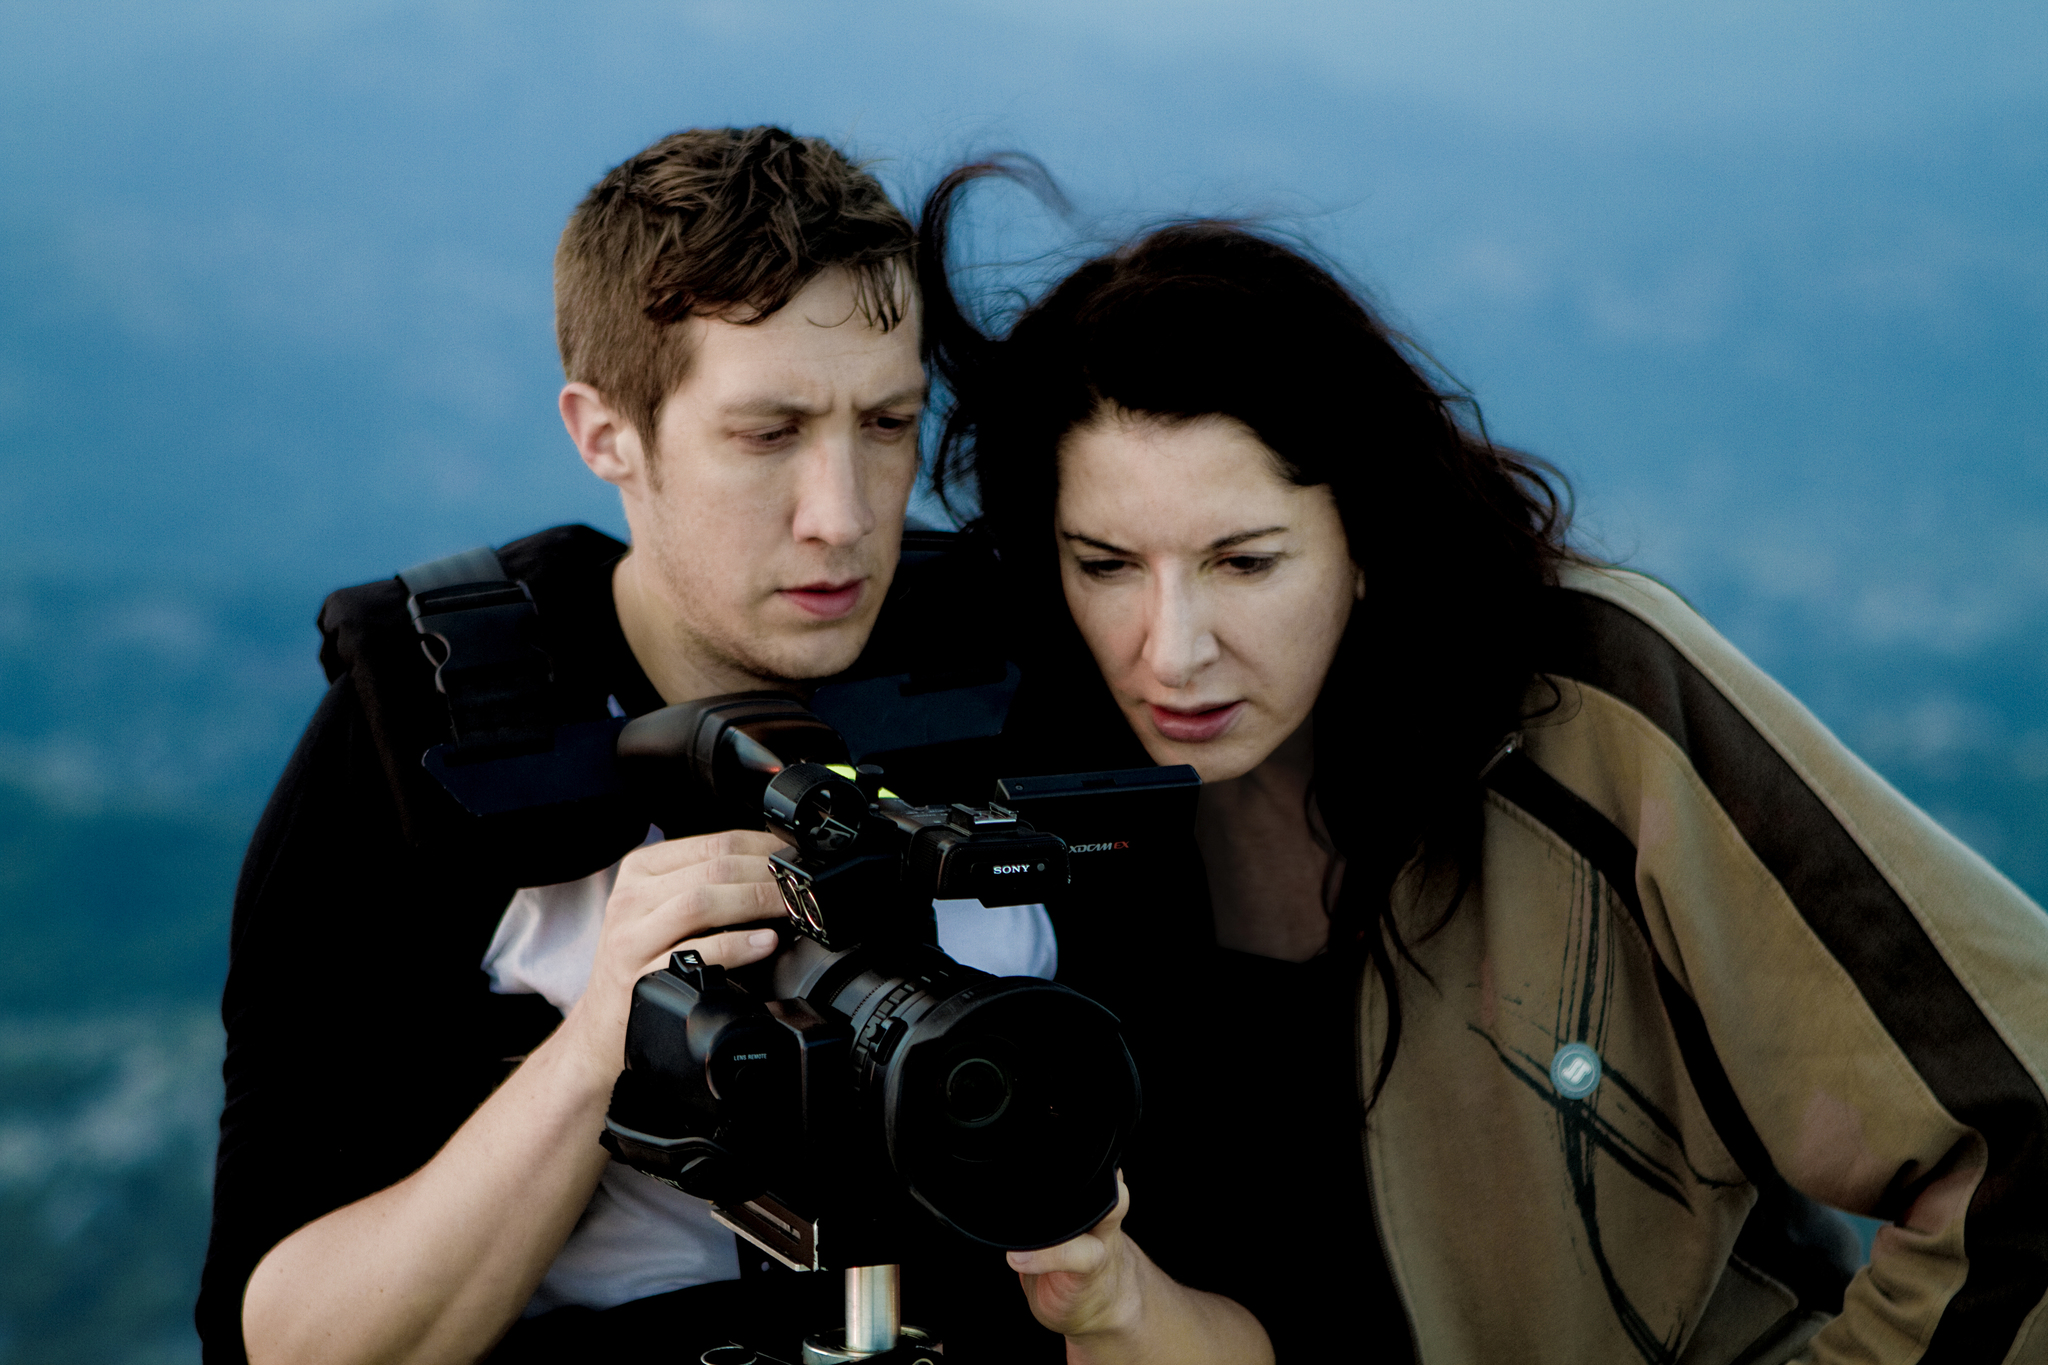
(115, 1094)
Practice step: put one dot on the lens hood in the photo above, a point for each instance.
(1005, 1107)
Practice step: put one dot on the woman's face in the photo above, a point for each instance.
(1211, 591)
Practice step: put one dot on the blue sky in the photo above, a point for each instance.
(1769, 281)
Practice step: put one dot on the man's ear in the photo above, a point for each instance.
(1357, 584)
(607, 442)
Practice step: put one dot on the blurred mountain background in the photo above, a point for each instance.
(1769, 282)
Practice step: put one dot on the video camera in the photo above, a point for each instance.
(820, 1099)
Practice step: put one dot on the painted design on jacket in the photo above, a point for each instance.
(1586, 981)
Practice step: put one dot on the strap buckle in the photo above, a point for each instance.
(477, 627)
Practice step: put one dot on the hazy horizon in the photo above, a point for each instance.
(1769, 283)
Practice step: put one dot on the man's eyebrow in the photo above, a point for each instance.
(790, 407)
(769, 407)
(899, 399)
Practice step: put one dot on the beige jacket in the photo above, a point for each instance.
(1875, 995)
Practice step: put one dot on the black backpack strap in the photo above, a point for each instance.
(479, 565)
(1798, 1240)
(486, 712)
(477, 627)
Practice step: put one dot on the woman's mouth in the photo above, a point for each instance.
(826, 601)
(1197, 725)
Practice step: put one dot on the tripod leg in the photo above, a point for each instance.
(873, 1307)
(874, 1327)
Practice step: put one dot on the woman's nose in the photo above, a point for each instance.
(1179, 642)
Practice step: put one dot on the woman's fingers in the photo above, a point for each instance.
(1087, 1284)
(1113, 1221)
(1085, 1255)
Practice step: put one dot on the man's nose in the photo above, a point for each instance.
(1179, 642)
(832, 503)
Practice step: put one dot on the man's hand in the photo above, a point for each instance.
(686, 890)
(668, 895)
(1115, 1307)
(435, 1268)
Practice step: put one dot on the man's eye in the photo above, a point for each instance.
(777, 436)
(887, 425)
(1248, 564)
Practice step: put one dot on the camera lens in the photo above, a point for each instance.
(977, 1093)
(1003, 1101)
(1006, 1104)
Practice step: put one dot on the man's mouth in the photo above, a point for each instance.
(826, 601)
(1194, 725)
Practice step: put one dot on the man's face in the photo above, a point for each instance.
(767, 520)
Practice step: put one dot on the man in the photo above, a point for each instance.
(738, 327)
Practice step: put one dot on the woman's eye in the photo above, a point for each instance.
(1248, 564)
(1102, 568)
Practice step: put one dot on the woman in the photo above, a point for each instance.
(1562, 962)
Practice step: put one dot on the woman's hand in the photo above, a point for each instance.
(1090, 1285)
(1115, 1307)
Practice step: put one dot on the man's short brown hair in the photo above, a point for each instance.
(729, 223)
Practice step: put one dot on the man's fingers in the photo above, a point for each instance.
(671, 854)
(702, 908)
(737, 867)
(724, 869)
(735, 948)
(729, 889)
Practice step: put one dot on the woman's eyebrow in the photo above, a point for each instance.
(1242, 536)
(1101, 545)
(1235, 538)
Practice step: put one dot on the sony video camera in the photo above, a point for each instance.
(820, 1099)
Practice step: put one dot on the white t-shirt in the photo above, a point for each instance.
(637, 1236)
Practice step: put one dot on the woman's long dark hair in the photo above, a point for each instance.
(1456, 535)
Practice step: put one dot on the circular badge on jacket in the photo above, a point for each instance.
(1575, 1071)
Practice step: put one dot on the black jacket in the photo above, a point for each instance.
(361, 1030)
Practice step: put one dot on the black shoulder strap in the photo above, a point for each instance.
(479, 565)
(1792, 1237)
(477, 628)
(497, 759)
